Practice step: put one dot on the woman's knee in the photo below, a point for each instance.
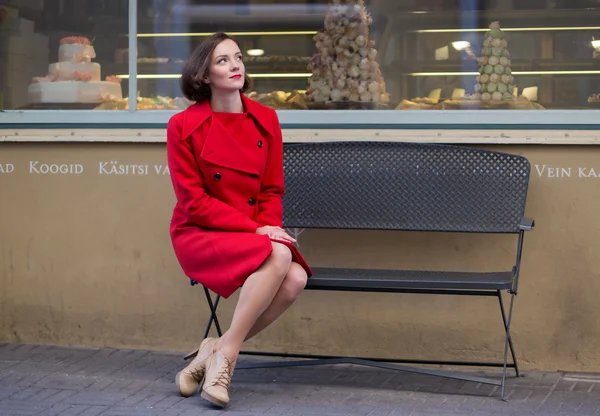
(294, 282)
(281, 255)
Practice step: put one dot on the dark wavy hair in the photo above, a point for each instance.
(196, 69)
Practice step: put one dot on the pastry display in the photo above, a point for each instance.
(594, 100)
(495, 81)
(147, 103)
(346, 66)
(281, 100)
(516, 103)
(74, 78)
(467, 103)
(414, 105)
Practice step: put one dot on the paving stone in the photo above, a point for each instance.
(131, 411)
(20, 352)
(62, 381)
(56, 396)
(93, 398)
(21, 407)
(5, 365)
(93, 411)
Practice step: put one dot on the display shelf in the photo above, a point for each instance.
(60, 106)
(524, 19)
(326, 119)
(297, 65)
(518, 65)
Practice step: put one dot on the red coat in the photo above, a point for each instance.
(226, 187)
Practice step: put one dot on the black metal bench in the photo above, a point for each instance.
(406, 187)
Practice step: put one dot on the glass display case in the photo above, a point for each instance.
(378, 56)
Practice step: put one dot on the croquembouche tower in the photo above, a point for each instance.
(346, 66)
(495, 81)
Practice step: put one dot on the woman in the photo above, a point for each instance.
(225, 156)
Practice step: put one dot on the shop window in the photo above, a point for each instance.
(309, 54)
(62, 54)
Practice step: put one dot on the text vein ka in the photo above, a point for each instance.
(545, 171)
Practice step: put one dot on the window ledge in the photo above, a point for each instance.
(323, 119)
(433, 135)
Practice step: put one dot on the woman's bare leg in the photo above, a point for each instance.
(255, 297)
(293, 284)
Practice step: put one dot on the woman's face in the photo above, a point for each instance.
(226, 71)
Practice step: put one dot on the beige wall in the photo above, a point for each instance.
(85, 259)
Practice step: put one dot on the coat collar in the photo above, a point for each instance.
(197, 114)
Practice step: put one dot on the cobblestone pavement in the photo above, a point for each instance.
(52, 381)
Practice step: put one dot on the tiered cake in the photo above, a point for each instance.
(74, 78)
(345, 67)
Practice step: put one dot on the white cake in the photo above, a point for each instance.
(75, 71)
(76, 52)
(74, 92)
(74, 78)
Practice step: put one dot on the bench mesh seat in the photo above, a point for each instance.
(334, 278)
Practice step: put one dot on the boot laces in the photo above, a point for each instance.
(197, 374)
(223, 379)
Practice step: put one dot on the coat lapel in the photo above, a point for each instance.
(220, 148)
(197, 114)
(262, 115)
(193, 117)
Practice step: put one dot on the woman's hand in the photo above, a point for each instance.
(275, 233)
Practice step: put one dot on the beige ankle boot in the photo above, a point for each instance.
(189, 379)
(217, 380)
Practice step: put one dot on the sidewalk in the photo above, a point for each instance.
(53, 381)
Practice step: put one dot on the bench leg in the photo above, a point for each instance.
(213, 313)
(508, 341)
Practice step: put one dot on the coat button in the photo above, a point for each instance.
(251, 202)
(260, 143)
(217, 176)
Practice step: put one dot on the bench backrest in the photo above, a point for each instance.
(403, 186)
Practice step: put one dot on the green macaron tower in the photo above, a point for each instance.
(495, 81)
